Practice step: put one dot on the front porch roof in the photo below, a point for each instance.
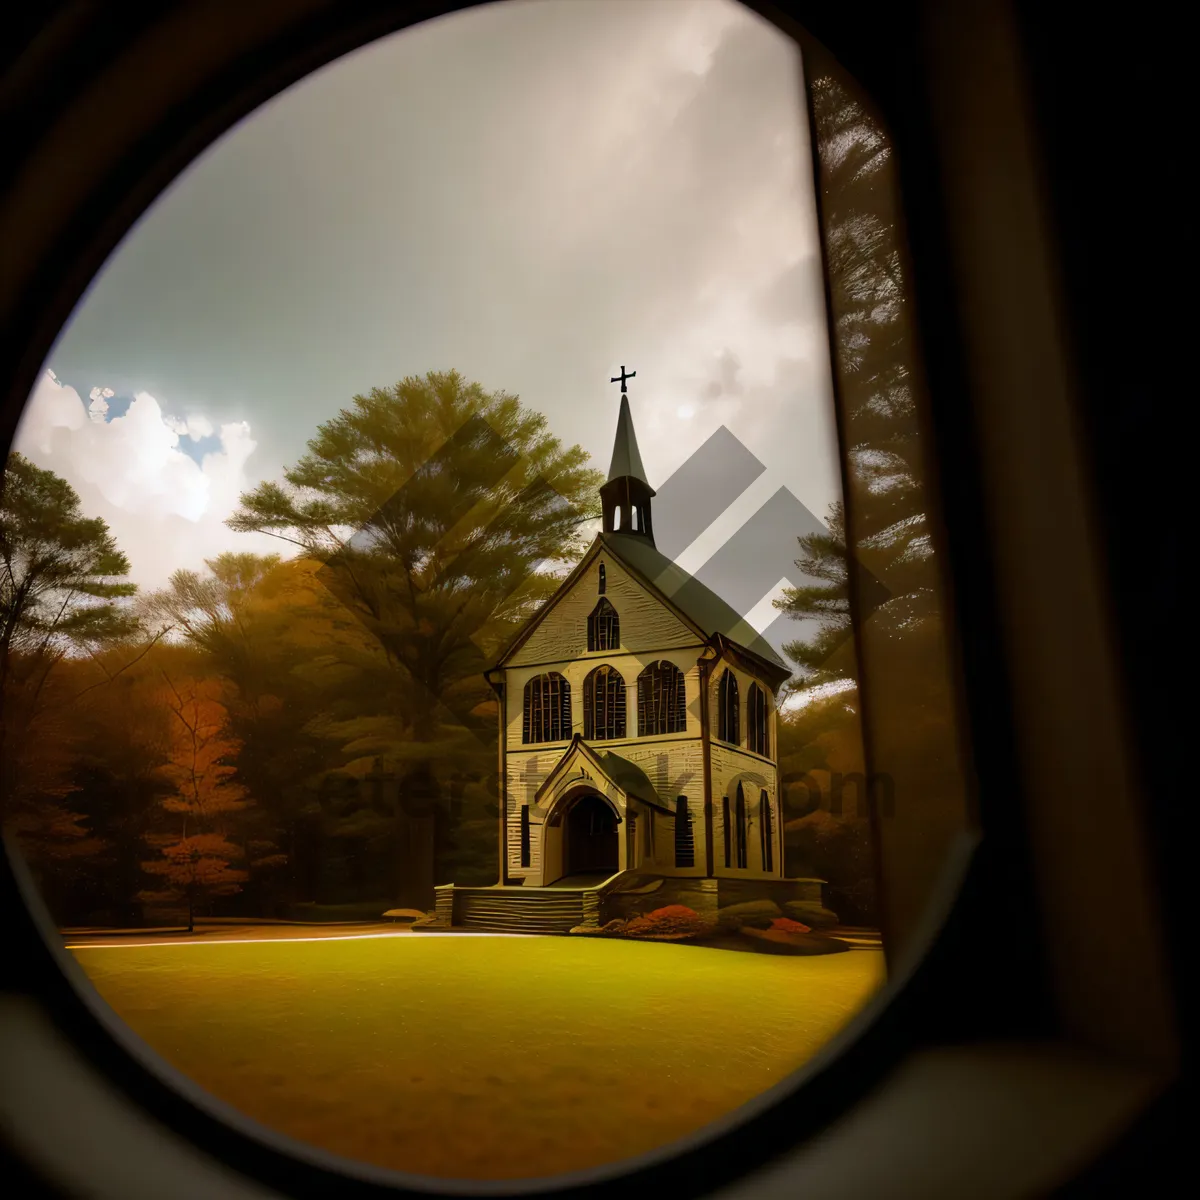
(627, 776)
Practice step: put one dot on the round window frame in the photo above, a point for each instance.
(281, 45)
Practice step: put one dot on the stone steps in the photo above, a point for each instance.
(529, 913)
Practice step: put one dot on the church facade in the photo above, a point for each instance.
(638, 741)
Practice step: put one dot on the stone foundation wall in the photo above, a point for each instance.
(698, 894)
(706, 896)
(738, 891)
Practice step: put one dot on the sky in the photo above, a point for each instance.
(534, 193)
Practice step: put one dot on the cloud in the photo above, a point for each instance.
(726, 381)
(194, 427)
(165, 509)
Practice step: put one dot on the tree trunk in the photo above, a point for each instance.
(415, 827)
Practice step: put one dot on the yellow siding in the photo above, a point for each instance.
(646, 623)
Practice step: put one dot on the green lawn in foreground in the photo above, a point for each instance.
(479, 1057)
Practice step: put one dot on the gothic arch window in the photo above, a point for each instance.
(727, 831)
(741, 828)
(547, 712)
(756, 721)
(728, 716)
(662, 699)
(604, 627)
(604, 704)
(602, 580)
(768, 833)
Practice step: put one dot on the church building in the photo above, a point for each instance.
(637, 737)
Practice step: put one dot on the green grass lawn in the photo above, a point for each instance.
(477, 1057)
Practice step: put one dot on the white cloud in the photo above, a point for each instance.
(165, 509)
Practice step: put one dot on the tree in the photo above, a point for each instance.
(195, 869)
(196, 862)
(62, 576)
(440, 514)
(824, 656)
(61, 592)
(827, 830)
(878, 560)
(294, 659)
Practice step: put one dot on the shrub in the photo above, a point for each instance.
(759, 913)
(673, 921)
(787, 925)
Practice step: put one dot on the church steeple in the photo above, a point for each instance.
(625, 498)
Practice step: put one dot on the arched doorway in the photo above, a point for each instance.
(590, 832)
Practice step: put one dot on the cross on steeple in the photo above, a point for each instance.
(622, 377)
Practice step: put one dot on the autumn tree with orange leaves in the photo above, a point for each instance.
(196, 862)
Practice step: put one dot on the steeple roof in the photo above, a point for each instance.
(626, 458)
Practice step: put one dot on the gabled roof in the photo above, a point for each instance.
(622, 773)
(631, 779)
(698, 605)
(626, 458)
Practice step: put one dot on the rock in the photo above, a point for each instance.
(807, 912)
(779, 941)
(428, 922)
(405, 914)
(637, 886)
(614, 926)
(758, 913)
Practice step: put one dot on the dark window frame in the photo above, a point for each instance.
(604, 710)
(758, 721)
(729, 717)
(661, 699)
(971, 58)
(526, 837)
(546, 709)
(727, 831)
(685, 841)
(740, 820)
(603, 627)
(766, 824)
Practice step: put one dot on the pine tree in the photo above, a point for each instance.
(62, 589)
(440, 514)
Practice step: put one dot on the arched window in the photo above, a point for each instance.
(547, 713)
(662, 699)
(728, 716)
(768, 835)
(604, 704)
(685, 845)
(756, 721)
(727, 831)
(602, 580)
(741, 828)
(604, 628)
(525, 844)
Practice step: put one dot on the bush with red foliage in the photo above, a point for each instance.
(787, 925)
(675, 921)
